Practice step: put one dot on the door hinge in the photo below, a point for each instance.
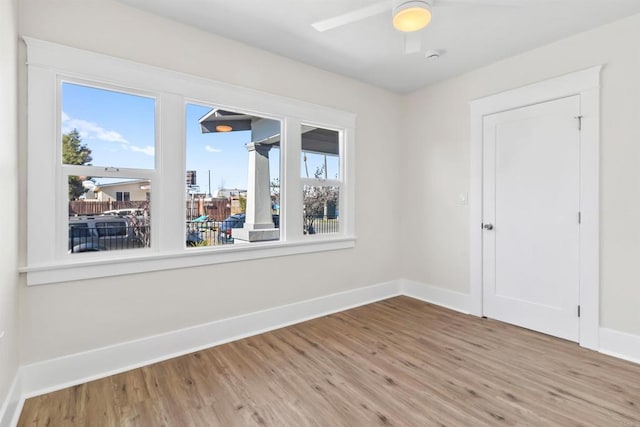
(579, 118)
(579, 217)
(578, 311)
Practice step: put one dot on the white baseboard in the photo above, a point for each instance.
(620, 344)
(12, 406)
(55, 374)
(440, 296)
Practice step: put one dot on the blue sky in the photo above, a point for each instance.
(223, 153)
(119, 130)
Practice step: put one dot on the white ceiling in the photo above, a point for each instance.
(469, 32)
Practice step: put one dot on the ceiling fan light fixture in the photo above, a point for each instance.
(411, 16)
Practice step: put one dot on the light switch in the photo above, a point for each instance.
(463, 198)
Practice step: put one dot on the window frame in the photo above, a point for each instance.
(123, 196)
(339, 182)
(47, 260)
(64, 171)
(199, 102)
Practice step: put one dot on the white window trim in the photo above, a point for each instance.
(49, 63)
(586, 84)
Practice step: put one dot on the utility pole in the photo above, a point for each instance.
(325, 167)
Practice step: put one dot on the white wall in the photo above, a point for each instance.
(72, 317)
(434, 169)
(437, 163)
(9, 180)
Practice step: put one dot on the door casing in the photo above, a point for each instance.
(586, 84)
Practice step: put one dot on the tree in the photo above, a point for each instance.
(275, 194)
(74, 152)
(242, 200)
(315, 200)
(141, 225)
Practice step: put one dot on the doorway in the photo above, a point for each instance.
(534, 216)
(531, 205)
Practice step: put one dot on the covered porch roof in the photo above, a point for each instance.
(267, 131)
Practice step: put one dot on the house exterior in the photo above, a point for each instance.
(126, 191)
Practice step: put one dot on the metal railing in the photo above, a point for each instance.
(315, 225)
(96, 234)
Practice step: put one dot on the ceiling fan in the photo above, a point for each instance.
(408, 16)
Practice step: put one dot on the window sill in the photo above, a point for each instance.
(109, 267)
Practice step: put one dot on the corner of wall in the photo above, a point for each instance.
(9, 362)
(12, 406)
(620, 344)
(435, 295)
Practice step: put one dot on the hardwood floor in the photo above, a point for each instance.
(398, 362)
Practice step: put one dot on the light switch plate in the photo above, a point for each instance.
(463, 198)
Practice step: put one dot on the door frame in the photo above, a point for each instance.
(586, 84)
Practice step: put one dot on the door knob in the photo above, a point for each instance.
(488, 226)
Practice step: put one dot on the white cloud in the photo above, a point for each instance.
(212, 149)
(148, 150)
(90, 130)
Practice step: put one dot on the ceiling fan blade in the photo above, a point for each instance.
(353, 16)
(412, 42)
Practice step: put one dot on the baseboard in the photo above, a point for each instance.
(55, 374)
(440, 296)
(620, 344)
(12, 406)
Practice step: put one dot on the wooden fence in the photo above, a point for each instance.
(80, 207)
(217, 209)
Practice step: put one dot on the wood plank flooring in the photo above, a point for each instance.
(399, 362)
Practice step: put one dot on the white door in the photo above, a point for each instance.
(531, 207)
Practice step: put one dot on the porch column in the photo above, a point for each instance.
(258, 224)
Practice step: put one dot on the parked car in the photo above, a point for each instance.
(194, 237)
(203, 223)
(99, 233)
(125, 212)
(110, 232)
(225, 230)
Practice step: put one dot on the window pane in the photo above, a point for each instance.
(232, 164)
(106, 128)
(320, 153)
(321, 210)
(101, 218)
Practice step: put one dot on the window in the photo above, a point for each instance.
(125, 196)
(321, 180)
(232, 176)
(236, 174)
(107, 136)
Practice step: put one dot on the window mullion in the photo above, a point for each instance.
(291, 186)
(168, 221)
